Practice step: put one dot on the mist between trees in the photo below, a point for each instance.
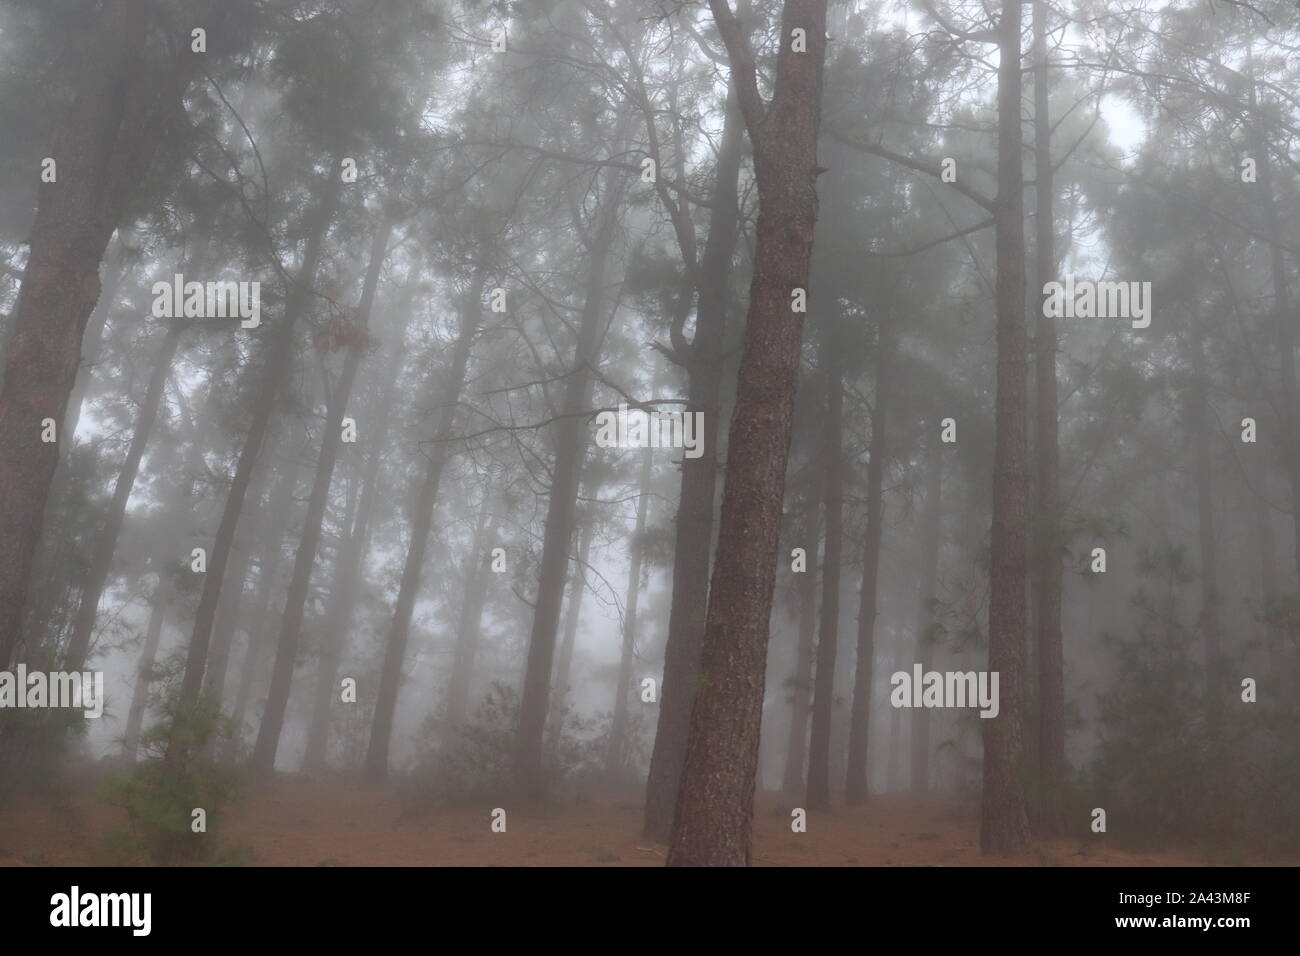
(725, 408)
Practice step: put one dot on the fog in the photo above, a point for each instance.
(769, 431)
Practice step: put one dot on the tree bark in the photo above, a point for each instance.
(715, 802)
(695, 510)
(1004, 823)
(1049, 564)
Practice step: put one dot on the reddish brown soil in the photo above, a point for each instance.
(296, 822)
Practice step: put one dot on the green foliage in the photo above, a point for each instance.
(1171, 767)
(178, 775)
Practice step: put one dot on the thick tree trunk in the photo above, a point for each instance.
(855, 781)
(274, 375)
(695, 510)
(1004, 824)
(347, 569)
(286, 656)
(616, 756)
(570, 451)
(796, 748)
(390, 678)
(106, 541)
(715, 802)
(103, 152)
(930, 539)
(832, 460)
(1049, 565)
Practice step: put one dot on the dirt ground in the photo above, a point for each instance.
(297, 822)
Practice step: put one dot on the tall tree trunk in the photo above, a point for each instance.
(930, 539)
(116, 267)
(616, 756)
(467, 630)
(1284, 317)
(347, 569)
(832, 455)
(1209, 575)
(695, 510)
(270, 557)
(286, 656)
(1004, 823)
(855, 782)
(273, 378)
(381, 731)
(103, 151)
(106, 541)
(715, 802)
(796, 748)
(144, 672)
(572, 618)
(570, 450)
(1049, 564)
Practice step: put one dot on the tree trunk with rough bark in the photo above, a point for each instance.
(715, 802)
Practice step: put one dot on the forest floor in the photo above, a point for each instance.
(293, 821)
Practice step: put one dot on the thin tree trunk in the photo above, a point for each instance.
(832, 460)
(271, 555)
(695, 510)
(797, 745)
(1209, 575)
(930, 539)
(856, 790)
(1049, 564)
(1004, 823)
(347, 570)
(286, 656)
(570, 450)
(395, 648)
(467, 631)
(106, 541)
(572, 617)
(272, 381)
(615, 758)
(144, 675)
(715, 802)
